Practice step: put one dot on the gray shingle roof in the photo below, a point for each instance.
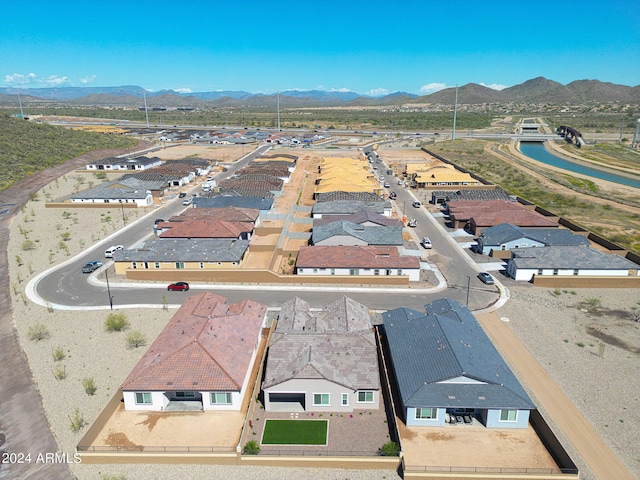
(444, 344)
(378, 235)
(186, 250)
(351, 196)
(345, 207)
(505, 232)
(222, 201)
(130, 188)
(336, 344)
(569, 257)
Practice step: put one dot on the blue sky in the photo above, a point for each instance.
(372, 47)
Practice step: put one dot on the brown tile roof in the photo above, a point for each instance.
(204, 228)
(229, 214)
(206, 346)
(353, 257)
(336, 344)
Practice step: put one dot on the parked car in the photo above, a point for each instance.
(91, 266)
(399, 181)
(187, 201)
(416, 204)
(387, 185)
(412, 223)
(182, 195)
(159, 220)
(392, 195)
(108, 253)
(178, 287)
(486, 278)
(426, 243)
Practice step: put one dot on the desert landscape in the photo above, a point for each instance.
(587, 340)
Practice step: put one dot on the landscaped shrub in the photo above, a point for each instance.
(390, 449)
(251, 448)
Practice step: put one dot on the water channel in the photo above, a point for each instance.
(537, 151)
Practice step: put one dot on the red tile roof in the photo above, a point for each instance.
(353, 257)
(204, 228)
(206, 346)
(229, 214)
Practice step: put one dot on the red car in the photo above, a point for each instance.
(178, 287)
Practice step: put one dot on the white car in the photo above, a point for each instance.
(426, 243)
(187, 201)
(108, 253)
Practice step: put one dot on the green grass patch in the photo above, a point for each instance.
(295, 432)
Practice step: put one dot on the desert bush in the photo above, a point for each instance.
(116, 322)
(58, 354)
(89, 385)
(37, 332)
(28, 245)
(77, 421)
(135, 339)
(60, 372)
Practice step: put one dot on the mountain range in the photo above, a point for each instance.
(536, 90)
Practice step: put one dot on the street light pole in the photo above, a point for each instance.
(106, 274)
(468, 285)
(124, 219)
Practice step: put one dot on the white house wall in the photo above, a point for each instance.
(491, 419)
(412, 273)
(309, 387)
(159, 402)
(526, 274)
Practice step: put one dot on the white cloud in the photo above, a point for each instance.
(32, 78)
(432, 87)
(182, 90)
(495, 86)
(19, 79)
(378, 92)
(340, 90)
(88, 79)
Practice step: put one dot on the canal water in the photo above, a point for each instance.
(537, 151)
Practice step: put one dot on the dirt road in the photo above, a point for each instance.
(602, 462)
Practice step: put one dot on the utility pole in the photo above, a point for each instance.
(455, 112)
(278, 106)
(634, 144)
(146, 110)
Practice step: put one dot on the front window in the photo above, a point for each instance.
(365, 397)
(221, 398)
(179, 265)
(344, 400)
(321, 399)
(185, 394)
(508, 415)
(143, 398)
(426, 413)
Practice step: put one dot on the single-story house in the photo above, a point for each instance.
(507, 237)
(365, 218)
(342, 232)
(444, 365)
(228, 214)
(128, 191)
(182, 254)
(322, 361)
(205, 228)
(203, 356)
(263, 205)
(348, 207)
(356, 260)
(117, 164)
(567, 260)
(442, 175)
